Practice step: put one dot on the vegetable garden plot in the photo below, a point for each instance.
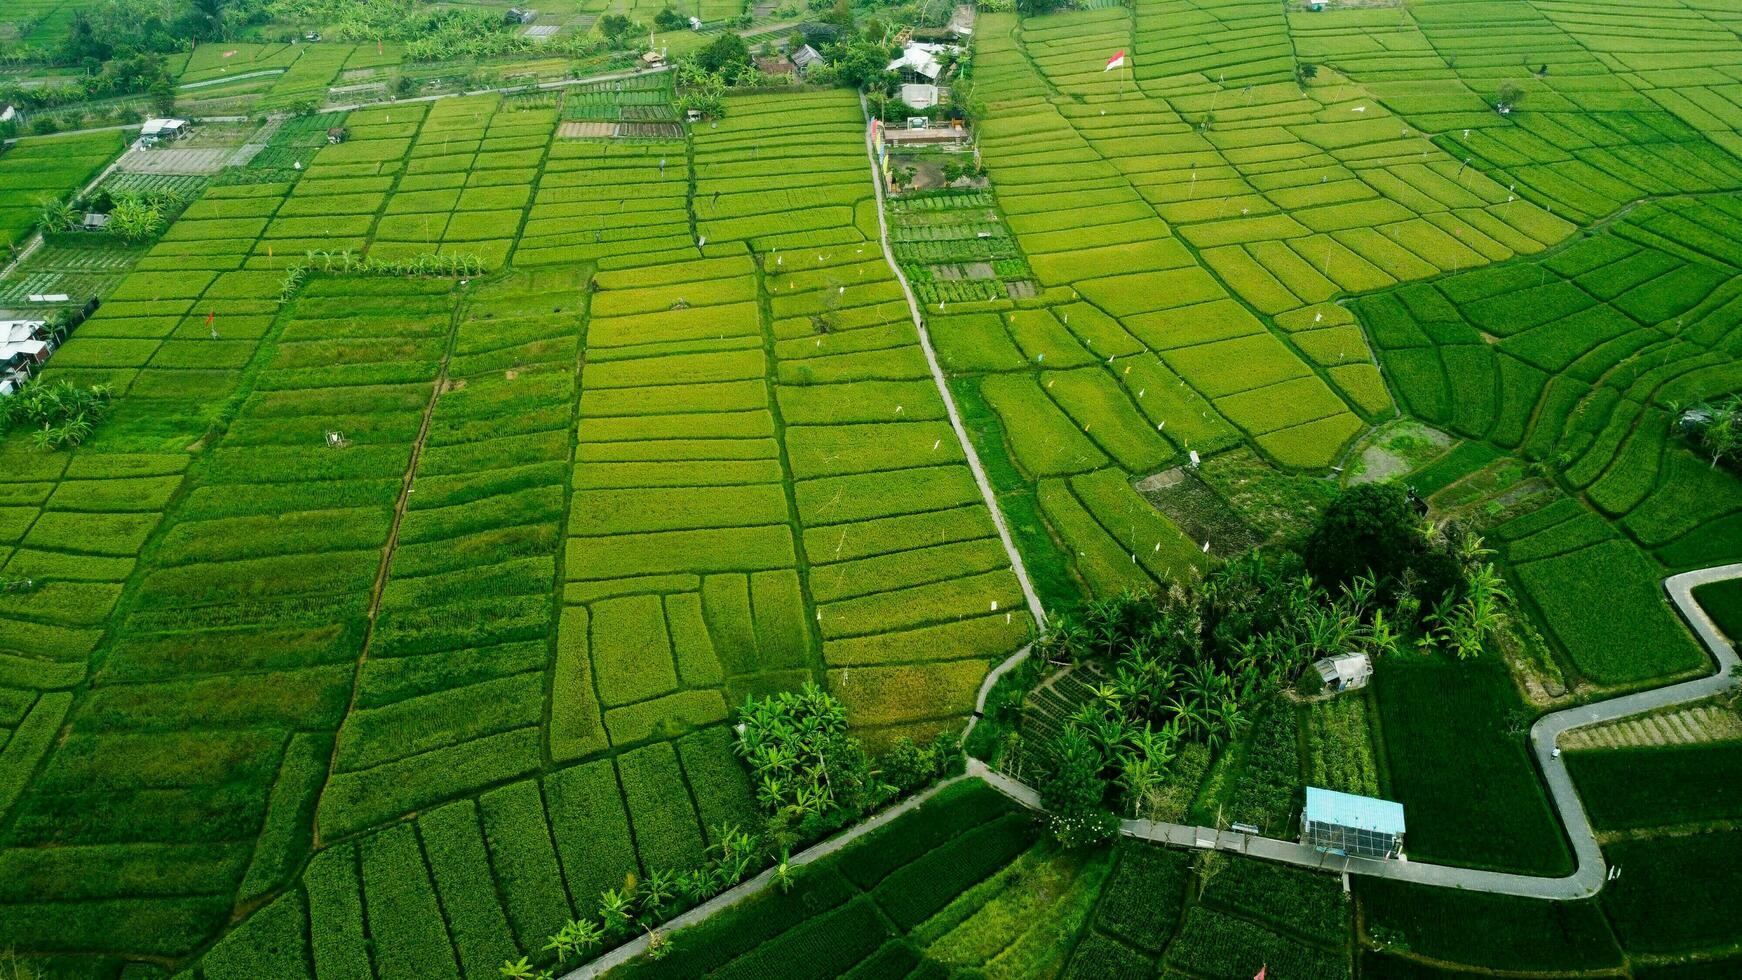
(647, 98)
(76, 266)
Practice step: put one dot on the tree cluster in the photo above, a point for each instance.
(1188, 664)
(1716, 430)
(131, 74)
(60, 415)
(1185, 665)
(1435, 577)
(429, 32)
(808, 773)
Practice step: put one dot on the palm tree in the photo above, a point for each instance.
(1157, 747)
(1107, 635)
(586, 934)
(1139, 779)
(1467, 624)
(1381, 638)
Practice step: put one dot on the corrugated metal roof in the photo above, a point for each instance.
(1349, 810)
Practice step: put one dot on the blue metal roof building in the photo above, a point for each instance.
(1343, 823)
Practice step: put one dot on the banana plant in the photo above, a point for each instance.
(617, 909)
(656, 891)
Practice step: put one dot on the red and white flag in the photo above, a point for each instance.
(1118, 61)
(1261, 972)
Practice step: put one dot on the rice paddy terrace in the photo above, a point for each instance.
(390, 619)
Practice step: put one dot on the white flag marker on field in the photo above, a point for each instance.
(1117, 61)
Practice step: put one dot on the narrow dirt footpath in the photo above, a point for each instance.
(937, 374)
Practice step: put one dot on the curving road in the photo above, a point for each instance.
(1590, 871)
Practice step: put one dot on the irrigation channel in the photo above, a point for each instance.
(1585, 881)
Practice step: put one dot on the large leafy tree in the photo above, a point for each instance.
(724, 54)
(1369, 529)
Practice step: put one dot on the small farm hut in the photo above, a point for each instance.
(921, 63)
(338, 134)
(1348, 672)
(157, 131)
(21, 344)
(1356, 826)
(805, 57)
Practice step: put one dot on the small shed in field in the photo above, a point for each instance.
(1349, 672)
(805, 57)
(1357, 826)
(22, 346)
(157, 131)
